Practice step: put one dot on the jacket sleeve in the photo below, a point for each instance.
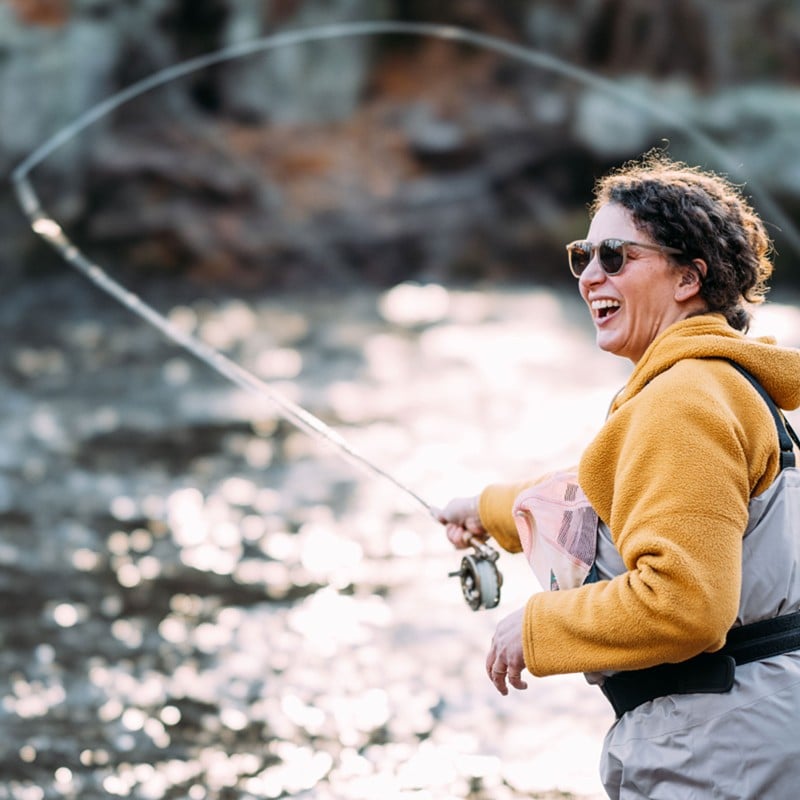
(494, 508)
(671, 474)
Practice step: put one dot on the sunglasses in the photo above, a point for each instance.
(611, 253)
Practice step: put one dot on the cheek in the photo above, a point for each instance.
(645, 294)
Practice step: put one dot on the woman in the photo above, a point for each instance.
(685, 466)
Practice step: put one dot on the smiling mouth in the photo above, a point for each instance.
(603, 309)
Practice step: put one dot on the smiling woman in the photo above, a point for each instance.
(678, 554)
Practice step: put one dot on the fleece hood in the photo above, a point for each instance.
(709, 336)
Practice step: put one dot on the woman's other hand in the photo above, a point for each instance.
(506, 659)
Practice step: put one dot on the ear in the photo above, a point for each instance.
(690, 280)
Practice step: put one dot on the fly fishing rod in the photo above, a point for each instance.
(480, 578)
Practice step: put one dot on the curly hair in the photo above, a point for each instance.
(704, 216)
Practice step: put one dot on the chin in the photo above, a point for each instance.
(604, 344)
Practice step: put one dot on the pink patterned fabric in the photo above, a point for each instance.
(558, 530)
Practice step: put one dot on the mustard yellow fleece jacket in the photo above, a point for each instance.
(687, 442)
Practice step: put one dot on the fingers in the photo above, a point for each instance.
(516, 681)
(499, 673)
(505, 660)
(462, 521)
(458, 536)
(474, 525)
(460, 511)
(498, 678)
(496, 670)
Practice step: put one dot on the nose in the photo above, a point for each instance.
(593, 274)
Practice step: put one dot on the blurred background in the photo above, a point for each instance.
(199, 600)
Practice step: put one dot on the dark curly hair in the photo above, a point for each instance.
(704, 216)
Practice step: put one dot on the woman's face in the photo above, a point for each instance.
(633, 307)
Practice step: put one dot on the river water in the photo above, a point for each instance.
(200, 601)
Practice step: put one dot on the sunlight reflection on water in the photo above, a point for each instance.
(266, 620)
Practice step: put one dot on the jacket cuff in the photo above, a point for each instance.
(528, 637)
(494, 508)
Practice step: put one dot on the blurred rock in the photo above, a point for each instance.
(757, 126)
(316, 82)
(365, 159)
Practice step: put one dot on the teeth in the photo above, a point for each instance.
(598, 304)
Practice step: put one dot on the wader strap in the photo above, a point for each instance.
(786, 434)
(708, 672)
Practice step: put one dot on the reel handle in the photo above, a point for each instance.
(486, 551)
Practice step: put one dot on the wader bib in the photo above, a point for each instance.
(739, 744)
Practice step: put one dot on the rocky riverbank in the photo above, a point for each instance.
(379, 158)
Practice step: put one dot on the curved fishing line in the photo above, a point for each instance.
(527, 55)
(52, 233)
(49, 230)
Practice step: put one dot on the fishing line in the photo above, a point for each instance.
(527, 55)
(50, 231)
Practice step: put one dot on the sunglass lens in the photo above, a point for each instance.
(580, 254)
(612, 256)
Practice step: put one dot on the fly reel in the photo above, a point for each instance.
(480, 578)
